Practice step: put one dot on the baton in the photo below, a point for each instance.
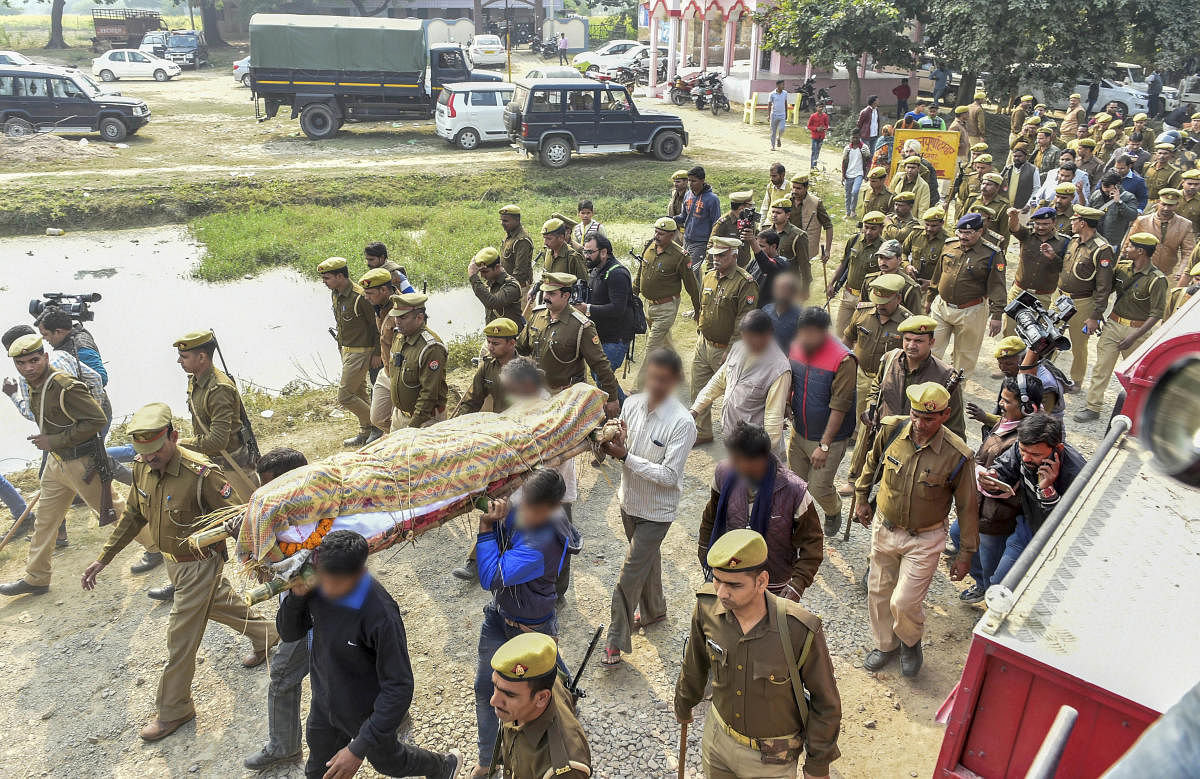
(682, 749)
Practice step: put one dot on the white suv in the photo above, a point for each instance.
(472, 112)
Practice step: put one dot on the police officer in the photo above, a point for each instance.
(378, 286)
(810, 215)
(729, 293)
(217, 412)
(727, 226)
(496, 288)
(501, 335)
(564, 342)
(1087, 278)
(889, 260)
(923, 248)
(1161, 173)
(358, 340)
(663, 272)
(900, 223)
(679, 190)
(926, 467)
(858, 259)
(967, 284)
(539, 733)
(516, 252)
(418, 365)
(793, 243)
(561, 257)
(965, 169)
(877, 197)
(973, 183)
(1189, 201)
(996, 217)
(874, 329)
(173, 489)
(1141, 289)
(1041, 259)
(1064, 197)
(760, 718)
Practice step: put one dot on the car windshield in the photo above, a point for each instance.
(86, 85)
(15, 58)
(181, 40)
(487, 40)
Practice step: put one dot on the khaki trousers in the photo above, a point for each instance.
(62, 480)
(201, 593)
(1108, 352)
(353, 393)
(724, 758)
(639, 585)
(660, 318)
(1010, 326)
(863, 386)
(902, 568)
(966, 325)
(820, 481)
(381, 402)
(707, 360)
(846, 305)
(1079, 342)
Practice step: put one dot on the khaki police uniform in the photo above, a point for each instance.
(216, 408)
(418, 380)
(1035, 273)
(516, 254)
(872, 201)
(967, 283)
(358, 338)
(997, 220)
(661, 276)
(381, 390)
(485, 384)
(552, 745)
(500, 298)
(564, 348)
(896, 227)
(724, 301)
(726, 227)
(171, 505)
(911, 297)
(810, 216)
(1189, 209)
(871, 336)
(1166, 177)
(859, 257)
(1087, 277)
(567, 260)
(968, 189)
(1140, 295)
(923, 252)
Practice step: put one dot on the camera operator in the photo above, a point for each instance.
(1038, 469)
(767, 264)
(610, 287)
(69, 336)
(732, 225)
(1012, 357)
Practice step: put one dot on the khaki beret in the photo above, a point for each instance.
(1065, 188)
(512, 209)
(738, 550)
(918, 324)
(885, 287)
(1102, 117)
(873, 218)
(995, 178)
(980, 95)
(1076, 96)
(26, 345)
(1140, 117)
(1034, 121)
(1009, 346)
(1026, 98)
(526, 656)
(148, 427)
(913, 160)
(193, 339)
(1143, 239)
(928, 398)
(783, 203)
(800, 178)
(1169, 196)
(553, 226)
(1039, 106)
(877, 173)
(666, 223)
(1196, 117)
(720, 244)
(332, 264)
(1021, 146)
(984, 158)
(1191, 174)
(1116, 124)
(905, 197)
(1108, 135)
(679, 175)
(744, 196)
(503, 327)
(1087, 212)
(408, 301)
(978, 147)
(1088, 142)
(556, 281)
(1164, 147)
(934, 214)
(487, 257)
(961, 109)
(375, 277)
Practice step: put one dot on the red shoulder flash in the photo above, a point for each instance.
(434, 365)
(225, 490)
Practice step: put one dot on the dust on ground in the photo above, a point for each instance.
(50, 149)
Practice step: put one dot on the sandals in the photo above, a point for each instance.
(639, 623)
(610, 659)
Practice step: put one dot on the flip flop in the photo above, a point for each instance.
(639, 623)
(611, 659)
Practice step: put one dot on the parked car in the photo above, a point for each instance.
(241, 71)
(611, 49)
(14, 58)
(155, 43)
(472, 112)
(131, 63)
(635, 58)
(187, 47)
(487, 50)
(553, 71)
(46, 98)
(556, 118)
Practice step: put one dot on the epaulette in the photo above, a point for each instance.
(745, 274)
(803, 616)
(65, 380)
(950, 241)
(579, 317)
(867, 304)
(989, 245)
(195, 461)
(708, 589)
(539, 307)
(429, 337)
(892, 420)
(959, 445)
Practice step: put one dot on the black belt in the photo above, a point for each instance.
(77, 452)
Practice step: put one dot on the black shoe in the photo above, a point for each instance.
(359, 439)
(467, 572)
(25, 527)
(910, 659)
(166, 593)
(61, 541)
(833, 523)
(972, 594)
(374, 435)
(877, 659)
(863, 580)
(266, 757)
(22, 587)
(1086, 415)
(453, 762)
(148, 562)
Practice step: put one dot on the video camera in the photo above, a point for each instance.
(1042, 329)
(748, 219)
(74, 306)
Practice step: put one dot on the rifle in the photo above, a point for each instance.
(248, 436)
(99, 466)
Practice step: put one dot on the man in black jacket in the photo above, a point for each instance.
(610, 288)
(362, 682)
(1038, 468)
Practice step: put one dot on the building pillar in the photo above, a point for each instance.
(672, 47)
(730, 28)
(704, 42)
(755, 50)
(653, 55)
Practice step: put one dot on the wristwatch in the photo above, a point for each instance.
(824, 446)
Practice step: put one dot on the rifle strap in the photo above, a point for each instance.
(789, 654)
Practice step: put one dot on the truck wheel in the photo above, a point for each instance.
(556, 152)
(160, 75)
(18, 128)
(107, 75)
(468, 139)
(318, 123)
(113, 130)
(668, 146)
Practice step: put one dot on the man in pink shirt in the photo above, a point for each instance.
(818, 126)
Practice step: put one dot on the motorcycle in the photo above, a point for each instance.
(681, 88)
(811, 97)
(624, 76)
(709, 91)
(547, 49)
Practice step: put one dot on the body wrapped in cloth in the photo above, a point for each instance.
(412, 480)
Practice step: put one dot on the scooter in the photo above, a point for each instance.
(681, 88)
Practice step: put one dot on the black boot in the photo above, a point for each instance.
(148, 562)
(467, 572)
(911, 659)
(833, 523)
(877, 659)
(164, 593)
(22, 587)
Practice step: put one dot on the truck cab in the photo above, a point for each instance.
(448, 64)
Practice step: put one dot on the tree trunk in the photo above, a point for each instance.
(966, 88)
(477, 13)
(56, 31)
(211, 24)
(855, 86)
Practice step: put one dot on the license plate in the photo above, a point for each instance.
(489, 51)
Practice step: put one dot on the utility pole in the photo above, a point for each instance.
(192, 16)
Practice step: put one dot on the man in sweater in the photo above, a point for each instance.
(362, 681)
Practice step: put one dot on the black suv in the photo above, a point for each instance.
(187, 47)
(45, 98)
(558, 117)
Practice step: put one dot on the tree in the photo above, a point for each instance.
(211, 23)
(1166, 33)
(830, 32)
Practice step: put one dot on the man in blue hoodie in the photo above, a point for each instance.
(520, 550)
(701, 210)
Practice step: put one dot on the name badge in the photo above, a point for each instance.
(892, 460)
(715, 647)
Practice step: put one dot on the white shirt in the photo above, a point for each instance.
(874, 122)
(659, 442)
(854, 163)
(63, 362)
(776, 400)
(1045, 193)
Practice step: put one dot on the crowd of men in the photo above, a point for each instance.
(798, 389)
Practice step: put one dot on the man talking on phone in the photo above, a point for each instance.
(1038, 468)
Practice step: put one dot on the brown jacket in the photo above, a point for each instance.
(1176, 242)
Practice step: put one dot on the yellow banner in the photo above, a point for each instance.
(940, 147)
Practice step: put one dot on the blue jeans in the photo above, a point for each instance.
(615, 352)
(816, 152)
(984, 561)
(11, 497)
(492, 634)
(853, 185)
(1016, 544)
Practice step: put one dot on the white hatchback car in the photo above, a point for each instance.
(472, 112)
(131, 63)
(487, 50)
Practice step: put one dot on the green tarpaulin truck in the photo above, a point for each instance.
(335, 69)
